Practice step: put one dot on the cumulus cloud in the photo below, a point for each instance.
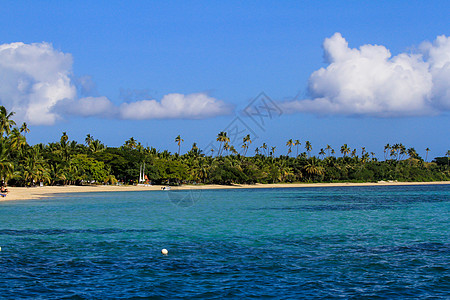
(37, 83)
(192, 106)
(171, 106)
(33, 78)
(438, 56)
(87, 107)
(370, 81)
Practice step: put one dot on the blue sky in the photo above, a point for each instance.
(352, 72)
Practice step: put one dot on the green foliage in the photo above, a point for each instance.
(442, 161)
(87, 169)
(68, 162)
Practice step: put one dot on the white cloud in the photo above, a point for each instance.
(36, 83)
(33, 78)
(369, 81)
(192, 106)
(87, 107)
(438, 56)
(171, 106)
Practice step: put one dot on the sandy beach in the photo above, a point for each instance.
(24, 193)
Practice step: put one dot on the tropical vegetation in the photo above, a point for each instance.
(69, 162)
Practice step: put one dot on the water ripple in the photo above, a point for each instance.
(72, 231)
(230, 244)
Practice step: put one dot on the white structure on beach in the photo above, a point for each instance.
(142, 179)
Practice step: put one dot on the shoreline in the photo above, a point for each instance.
(30, 193)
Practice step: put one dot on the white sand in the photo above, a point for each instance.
(23, 193)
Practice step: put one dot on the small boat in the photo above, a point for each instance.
(165, 188)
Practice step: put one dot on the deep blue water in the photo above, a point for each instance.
(350, 242)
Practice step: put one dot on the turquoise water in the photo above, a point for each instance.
(351, 242)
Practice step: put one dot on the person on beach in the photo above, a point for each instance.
(3, 191)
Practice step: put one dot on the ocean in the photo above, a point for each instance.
(387, 242)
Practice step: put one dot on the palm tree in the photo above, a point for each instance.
(365, 157)
(233, 150)
(345, 150)
(24, 128)
(16, 140)
(34, 169)
(328, 148)
(313, 168)
(426, 157)
(64, 139)
(222, 138)
(273, 150)
(62, 148)
(297, 143)
(74, 148)
(264, 146)
(289, 143)
(6, 123)
(226, 147)
(387, 147)
(395, 151)
(256, 151)
(6, 165)
(140, 148)
(244, 148)
(322, 153)
(131, 143)
(96, 146)
(57, 172)
(246, 143)
(88, 140)
(412, 153)
(194, 148)
(179, 140)
(286, 173)
(402, 151)
(308, 148)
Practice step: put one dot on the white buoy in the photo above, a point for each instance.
(164, 252)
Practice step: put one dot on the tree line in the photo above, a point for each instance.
(66, 162)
